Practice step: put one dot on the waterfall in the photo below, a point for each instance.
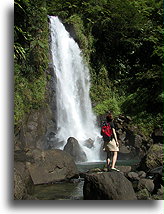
(75, 117)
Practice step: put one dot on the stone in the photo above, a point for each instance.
(89, 143)
(124, 169)
(160, 191)
(73, 148)
(138, 141)
(133, 175)
(129, 118)
(158, 170)
(122, 137)
(124, 149)
(155, 156)
(52, 166)
(95, 170)
(19, 186)
(143, 194)
(157, 135)
(119, 126)
(146, 184)
(142, 174)
(23, 184)
(108, 186)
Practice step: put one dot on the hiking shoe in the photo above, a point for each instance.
(114, 169)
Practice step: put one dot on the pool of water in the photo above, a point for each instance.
(85, 166)
(59, 191)
(72, 190)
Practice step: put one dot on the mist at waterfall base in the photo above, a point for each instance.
(75, 117)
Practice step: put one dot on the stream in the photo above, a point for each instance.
(72, 190)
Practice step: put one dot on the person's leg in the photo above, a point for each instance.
(108, 160)
(114, 159)
(104, 146)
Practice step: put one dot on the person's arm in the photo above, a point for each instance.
(115, 137)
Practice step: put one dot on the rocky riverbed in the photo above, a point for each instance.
(35, 164)
(95, 184)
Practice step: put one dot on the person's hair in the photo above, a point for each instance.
(109, 117)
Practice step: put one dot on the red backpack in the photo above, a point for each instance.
(106, 129)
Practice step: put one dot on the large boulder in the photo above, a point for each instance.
(157, 135)
(73, 148)
(52, 165)
(146, 184)
(23, 185)
(108, 186)
(19, 186)
(155, 156)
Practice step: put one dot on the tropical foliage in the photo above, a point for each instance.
(30, 56)
(121, 41)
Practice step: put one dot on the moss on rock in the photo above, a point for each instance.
(154, 156)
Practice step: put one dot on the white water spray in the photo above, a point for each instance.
(74, 111)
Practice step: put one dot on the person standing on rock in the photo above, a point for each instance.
(111, 145)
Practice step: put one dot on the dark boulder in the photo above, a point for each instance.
(89, 143)
(73, 148)
(157, 135)
(155, 156)
(108, 186)
(23, 185)
(133, 176)
(51, 166)
(146, 184)
(158, 170)
(19, 186)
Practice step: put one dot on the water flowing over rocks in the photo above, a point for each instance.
(73, 148)
(108, 186)
(75, 117)
(38, 161)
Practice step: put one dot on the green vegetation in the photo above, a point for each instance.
(121, 41)
(154, 156)
(30, 56)
(85, 41)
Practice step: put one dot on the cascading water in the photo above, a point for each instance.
(74, 111)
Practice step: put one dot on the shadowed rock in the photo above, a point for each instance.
(51, 166)
(73, 148)
(108, 186)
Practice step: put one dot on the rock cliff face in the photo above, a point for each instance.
(39, 126)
